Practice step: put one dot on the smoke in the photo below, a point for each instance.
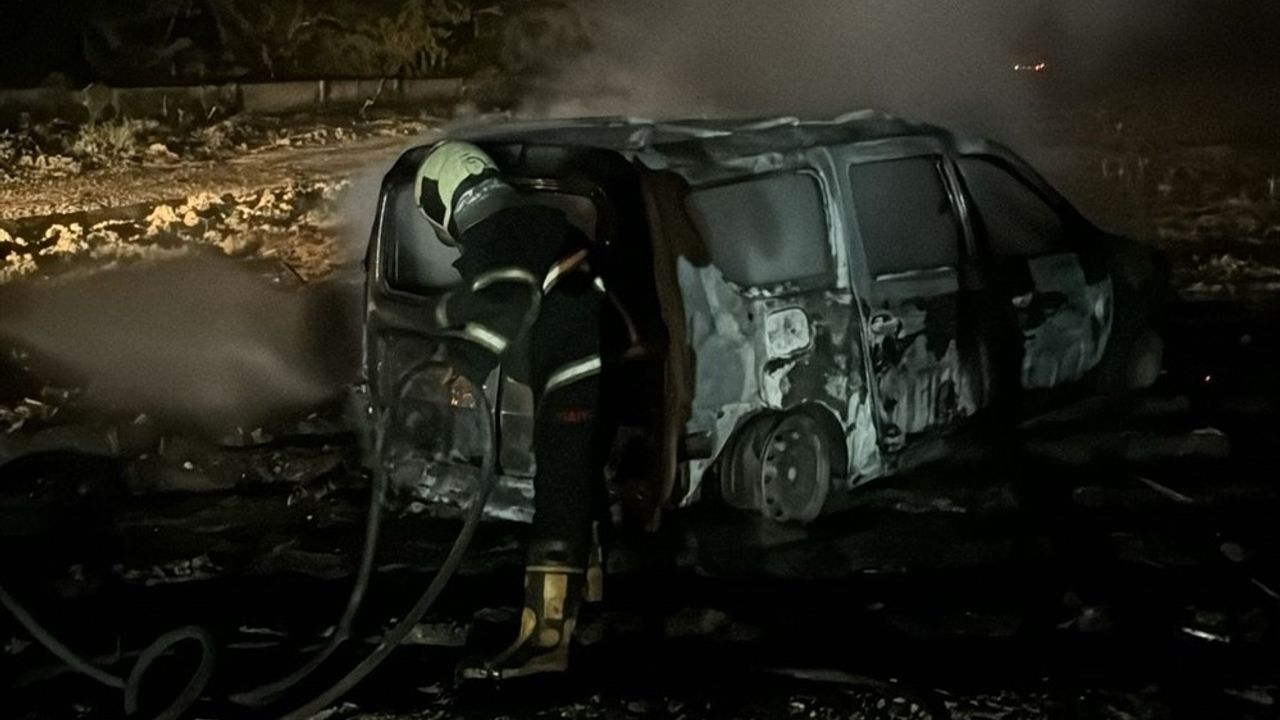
(207, 344)
(947, 62)
(816, 58)
(201, 343)
(357, 206)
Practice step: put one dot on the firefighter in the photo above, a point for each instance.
(528, 287)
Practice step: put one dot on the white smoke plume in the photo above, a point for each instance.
(201, 343)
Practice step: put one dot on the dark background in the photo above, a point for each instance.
(88, 40)
(132, 42)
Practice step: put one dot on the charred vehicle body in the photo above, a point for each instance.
(809, 307)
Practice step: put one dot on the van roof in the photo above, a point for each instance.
(694, 140)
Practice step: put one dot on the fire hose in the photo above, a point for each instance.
(270, 692)
(265, 694)
(132, 684)
(451, 563)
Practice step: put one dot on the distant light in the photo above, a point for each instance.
(1206, 635)
(1208, 379)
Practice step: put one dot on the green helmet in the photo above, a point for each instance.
(450, 170)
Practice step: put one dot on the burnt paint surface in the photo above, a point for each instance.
(775, 348)
(921, 379)
(1065, 322)
(435, 439)
(821, 371)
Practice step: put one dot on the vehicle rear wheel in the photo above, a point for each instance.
(796, 470)
(779, 465)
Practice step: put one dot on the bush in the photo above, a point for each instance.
(415, 38)
(112, 141)
(410, 43)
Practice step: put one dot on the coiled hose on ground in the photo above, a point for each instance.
(131, 685)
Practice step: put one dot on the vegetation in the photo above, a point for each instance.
(410, 43)
(421, 38)
(406, 38)
(112, 141)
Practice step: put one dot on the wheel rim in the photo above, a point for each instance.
(795, 470)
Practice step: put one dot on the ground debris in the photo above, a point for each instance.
(1264, 695)
(187, 570)
(693, 622)
(438, 634)
(1006, 705)
(16, 646)
(1133, 446)
(339, 712)
(15, 418)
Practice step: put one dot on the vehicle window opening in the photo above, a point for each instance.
(766, 230)
(419, 262)
(1016, 220)
(905, 216)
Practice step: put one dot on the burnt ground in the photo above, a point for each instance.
(1107, 561)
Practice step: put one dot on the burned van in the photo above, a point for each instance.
(810, 305)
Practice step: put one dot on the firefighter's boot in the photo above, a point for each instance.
(553, 593)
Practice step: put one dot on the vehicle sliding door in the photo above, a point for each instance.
(927, 373)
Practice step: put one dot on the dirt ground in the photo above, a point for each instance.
(276, 193)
